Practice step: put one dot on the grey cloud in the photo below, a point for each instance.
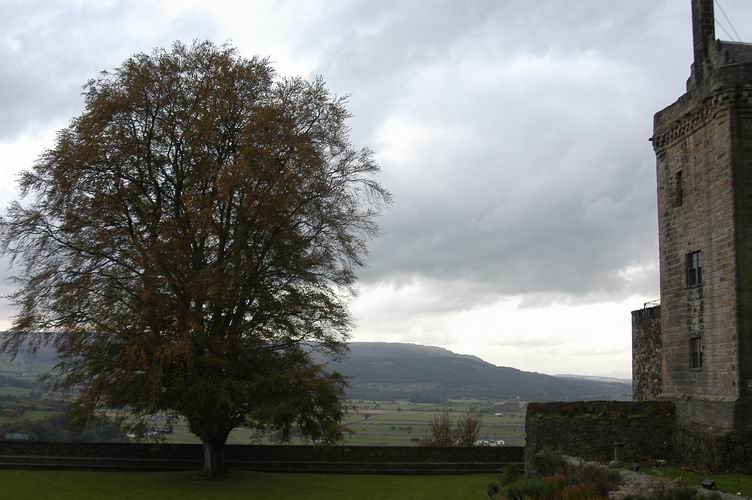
(379, 45)
(544, 202)
(528, 344)
(598, 353)
(541, 184)
(429, 338)
(526, 167)
(50, 49)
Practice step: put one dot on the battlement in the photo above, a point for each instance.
(728, 83)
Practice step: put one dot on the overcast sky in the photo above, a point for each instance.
(513, 135)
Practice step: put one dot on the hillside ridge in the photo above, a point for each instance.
(382, 370)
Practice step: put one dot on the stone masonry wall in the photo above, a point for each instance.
(706, 450)
(646, 354)
(590, 429)
(645, 430)
(742, 179)
(694, 149)
(351, 454)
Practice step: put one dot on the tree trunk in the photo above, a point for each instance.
(214, 458)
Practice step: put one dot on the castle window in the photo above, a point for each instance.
(678, 189)
(694, 271)
(695, 350)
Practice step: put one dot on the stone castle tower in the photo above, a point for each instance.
(695, 349)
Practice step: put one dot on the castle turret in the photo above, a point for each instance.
(701, 336)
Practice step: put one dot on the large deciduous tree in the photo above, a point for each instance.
(189, 238)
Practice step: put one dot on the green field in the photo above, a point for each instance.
(398, 423)
(372, 424)
(15, 391)
(57, 485)
(29, 415)
(15, 367)
(405, 423)
(375, 423)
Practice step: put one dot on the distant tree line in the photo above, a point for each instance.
(62, 428)
(8, 381)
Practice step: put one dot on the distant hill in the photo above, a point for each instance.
(28, 363)
(386, 371)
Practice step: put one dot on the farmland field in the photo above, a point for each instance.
(14, 391)
(375, 423)
(369, 423)
(404, 423)
(396, 423)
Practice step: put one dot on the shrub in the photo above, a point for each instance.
(509, 474)
(598, 479)
(560, 481)
(526, 489)
(548, 462)
(553, 487)
(441, 432)
(579, 492)
(493, 490)
(676, 490)
(445, 432)
(588, 481)
(468, 428)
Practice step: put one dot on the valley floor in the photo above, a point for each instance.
(395, 423)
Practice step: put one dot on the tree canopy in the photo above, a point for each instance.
(189, 238)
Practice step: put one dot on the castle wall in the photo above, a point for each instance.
(742, 159)
(706, 450)
(703, 147)
(693, 143)
(647, 350)
(280, 458)
(643, 431)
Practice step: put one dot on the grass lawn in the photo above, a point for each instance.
(728, 483)
(39, 414)
(29, 415)
(61, 485)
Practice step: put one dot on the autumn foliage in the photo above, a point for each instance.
(189, 238)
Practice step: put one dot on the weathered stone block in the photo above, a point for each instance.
(590, 429)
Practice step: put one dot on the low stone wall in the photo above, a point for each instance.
(590, 429)
(706, 449)
(341, 454)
